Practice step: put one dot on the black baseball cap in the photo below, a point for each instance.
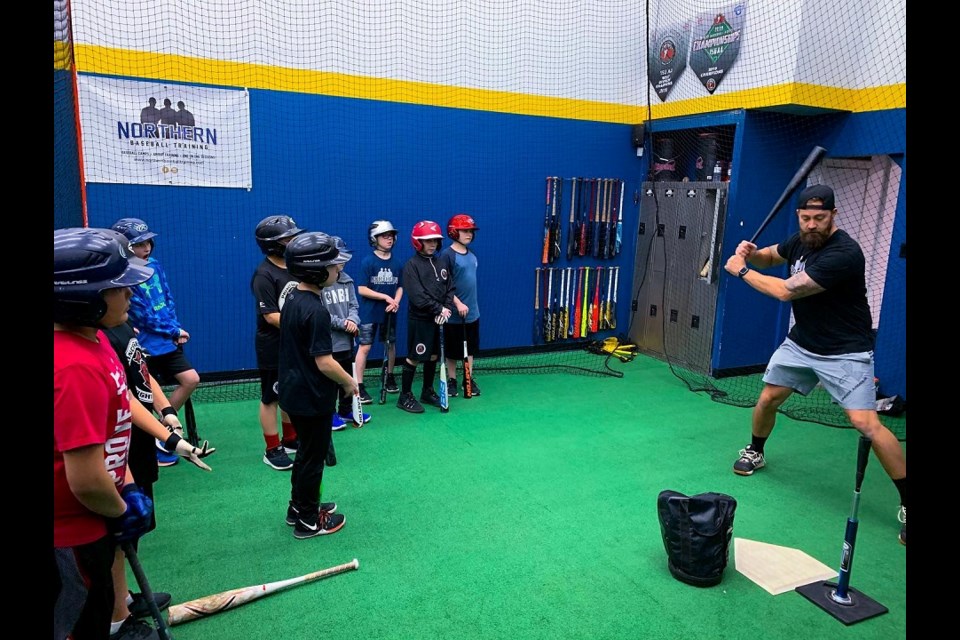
(816, 192)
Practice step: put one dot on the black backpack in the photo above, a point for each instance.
(696, 534)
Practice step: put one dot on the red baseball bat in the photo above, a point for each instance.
(595, 307)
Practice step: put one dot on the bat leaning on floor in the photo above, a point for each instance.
(215, 603)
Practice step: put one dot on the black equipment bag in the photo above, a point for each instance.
(696, 534)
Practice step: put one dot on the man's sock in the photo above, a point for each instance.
(289, 433)
(757, 443)
(901, 486)
(272, 441)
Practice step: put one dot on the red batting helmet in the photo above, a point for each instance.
(425, 230)
(458, 223)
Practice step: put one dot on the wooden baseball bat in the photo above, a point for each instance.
(209, 605)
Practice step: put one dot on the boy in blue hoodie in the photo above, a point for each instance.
(154, 315)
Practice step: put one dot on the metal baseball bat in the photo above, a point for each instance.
(386, 359)
(356, 405)
(442, 369)
(840, 594)
(795, 181)
(162, 629)
(209, 605)
(467, 369)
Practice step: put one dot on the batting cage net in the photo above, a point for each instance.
(612, 155)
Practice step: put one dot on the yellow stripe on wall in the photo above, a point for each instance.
(162, 67)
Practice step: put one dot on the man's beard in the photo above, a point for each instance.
(813, 240)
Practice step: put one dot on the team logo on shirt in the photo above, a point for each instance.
(134, 355)
(287, 288)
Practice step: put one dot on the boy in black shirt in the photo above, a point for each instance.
(308, 379)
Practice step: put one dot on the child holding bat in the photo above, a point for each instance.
(428, 281)
(142, 461)
(380, 294)
(462, 230)
(154, 314)
(96, 504)
(340, 298)
(310, 379)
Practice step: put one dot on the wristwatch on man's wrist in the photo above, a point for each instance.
(744, 270)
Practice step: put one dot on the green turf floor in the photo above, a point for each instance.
(529, 512)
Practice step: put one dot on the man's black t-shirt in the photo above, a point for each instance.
(837, 320)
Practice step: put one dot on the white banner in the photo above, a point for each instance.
(164, 134)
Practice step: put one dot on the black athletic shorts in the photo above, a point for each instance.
(453, 337)
(166, 367)
(422, 340)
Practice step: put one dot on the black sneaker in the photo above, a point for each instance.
(748, 462)
(140, 608)
(902, 517)
(391, 385)
(325, 523)
(474, 389)
(133, 629)
(429, 396)
(277, 458)
(407, 402)
(452, 390)
(290, 447)
(364, 396)
(293, 513)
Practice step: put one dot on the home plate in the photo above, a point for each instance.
(778, 569)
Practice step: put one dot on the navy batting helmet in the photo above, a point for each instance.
(135, 229)
(87, 262)
(309, 254)
(271, 230)
(344, 253)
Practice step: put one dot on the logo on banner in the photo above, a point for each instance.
(166, 126)
(712, 54)
(667, 62)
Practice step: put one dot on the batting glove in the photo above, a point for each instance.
(136, 520)
(191, 453)
(171, 421)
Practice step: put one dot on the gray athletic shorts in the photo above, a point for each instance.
(848, 378)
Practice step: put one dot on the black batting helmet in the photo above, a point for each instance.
(309, 254)
(271, 230)
(87, 262)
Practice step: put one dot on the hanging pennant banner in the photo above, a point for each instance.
(668, 59)
(164, 134)
(716, 43)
